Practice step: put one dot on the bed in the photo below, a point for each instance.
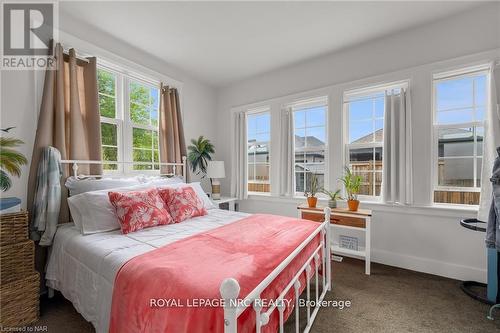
(86, 270)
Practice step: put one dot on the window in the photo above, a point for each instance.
(143, 106)
(310, 143)
(110, 123)
(365, 138)
(129, 129)
(460, 102)
(258, 140)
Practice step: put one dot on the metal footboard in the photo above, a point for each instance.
(230, 288)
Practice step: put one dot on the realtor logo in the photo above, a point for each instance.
(28, 28)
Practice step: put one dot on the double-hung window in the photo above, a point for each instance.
(258, 149)
(143, 101)
(460, 102)
(129, 121)
(365, 138)
(111, 118)
(309, 126)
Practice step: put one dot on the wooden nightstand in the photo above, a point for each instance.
(344, 219)
(230, 202)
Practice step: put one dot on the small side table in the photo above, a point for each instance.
(230, 201)
(342, 218)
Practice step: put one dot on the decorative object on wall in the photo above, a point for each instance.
(332, 197)
(199, 153)
(11, 161)
(216, 171)
(348, 242)
(352, 184)
(311, 191)
(171, 130)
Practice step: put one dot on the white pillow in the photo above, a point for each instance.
(78, 186)
(161, 181)
(207, 203)
(92, 211)
(76, 214)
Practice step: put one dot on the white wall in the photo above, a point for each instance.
(421, 238)
(19, 91)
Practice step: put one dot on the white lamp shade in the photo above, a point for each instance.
(215, 169)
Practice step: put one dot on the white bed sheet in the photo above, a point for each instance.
(83, 267)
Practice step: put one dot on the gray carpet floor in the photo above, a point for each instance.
(389, 300)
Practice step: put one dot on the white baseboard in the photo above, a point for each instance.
(430, 266)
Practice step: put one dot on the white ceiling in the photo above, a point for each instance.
(222, 42)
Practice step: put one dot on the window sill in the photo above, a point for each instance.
(456, 207)
(259, 194)
(435, 210)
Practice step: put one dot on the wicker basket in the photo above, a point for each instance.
(16, 261)
(13, 228)
(19, 301)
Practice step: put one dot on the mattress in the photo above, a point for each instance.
(83, 267)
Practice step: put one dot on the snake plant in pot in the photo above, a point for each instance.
(332, 197)
(311, 190)
(352, 184)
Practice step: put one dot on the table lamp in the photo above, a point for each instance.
(215, 170)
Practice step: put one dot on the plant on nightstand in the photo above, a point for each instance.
(332, 197)
(352, 184)
(311, 191)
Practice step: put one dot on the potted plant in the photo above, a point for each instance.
(352, 183)
(200, 152)
(332, 197)
(312, 191)
(10, 161)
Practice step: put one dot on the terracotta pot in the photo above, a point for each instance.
(312, 201)
(353, 205)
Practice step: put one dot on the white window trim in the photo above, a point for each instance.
(306, 103)
(456, 74)
(257, 111)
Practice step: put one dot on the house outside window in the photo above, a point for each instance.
(365, 139)
(309, 119)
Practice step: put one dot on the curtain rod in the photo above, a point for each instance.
(77, 57)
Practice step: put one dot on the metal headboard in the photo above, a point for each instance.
(174, 167)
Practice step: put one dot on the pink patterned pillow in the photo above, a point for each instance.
(139, 209)
(182, 203)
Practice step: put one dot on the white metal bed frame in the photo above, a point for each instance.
(230, 288)
(112, 173)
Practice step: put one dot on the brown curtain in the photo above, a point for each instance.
(172, 142)
(69, 119)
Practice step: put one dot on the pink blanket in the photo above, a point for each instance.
(158, 291)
